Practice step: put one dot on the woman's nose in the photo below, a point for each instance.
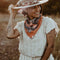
(37, 9)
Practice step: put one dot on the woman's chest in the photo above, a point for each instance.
(40, 36)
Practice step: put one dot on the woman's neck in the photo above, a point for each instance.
(30, 17)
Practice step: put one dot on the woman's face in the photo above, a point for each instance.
(33, 11)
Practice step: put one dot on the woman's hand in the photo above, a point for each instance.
(10, 9)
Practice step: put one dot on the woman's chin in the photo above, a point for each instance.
(37, 16)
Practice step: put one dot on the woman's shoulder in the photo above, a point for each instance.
(21, 22)
(50, 24)
(48, 19)
(19, 26)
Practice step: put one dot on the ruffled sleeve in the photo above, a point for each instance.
(19, 26)
(50, 25)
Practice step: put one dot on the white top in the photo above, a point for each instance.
(35, 46)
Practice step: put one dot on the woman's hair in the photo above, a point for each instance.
(41, 9)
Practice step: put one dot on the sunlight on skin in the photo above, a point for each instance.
(31, 11)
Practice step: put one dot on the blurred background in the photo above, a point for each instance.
(9, 47)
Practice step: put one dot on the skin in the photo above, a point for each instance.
(50, 44)
(33, 12)
(14, 33)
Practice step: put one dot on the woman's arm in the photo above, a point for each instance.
(50, 44)
(11, 33)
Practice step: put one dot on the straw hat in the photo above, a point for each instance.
(29, 3)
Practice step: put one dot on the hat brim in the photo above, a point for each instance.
(40, 2)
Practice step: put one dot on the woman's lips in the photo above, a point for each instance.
(37, 13)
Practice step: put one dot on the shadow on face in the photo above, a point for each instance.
(32, 11)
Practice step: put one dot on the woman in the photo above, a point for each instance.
(37, 33)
